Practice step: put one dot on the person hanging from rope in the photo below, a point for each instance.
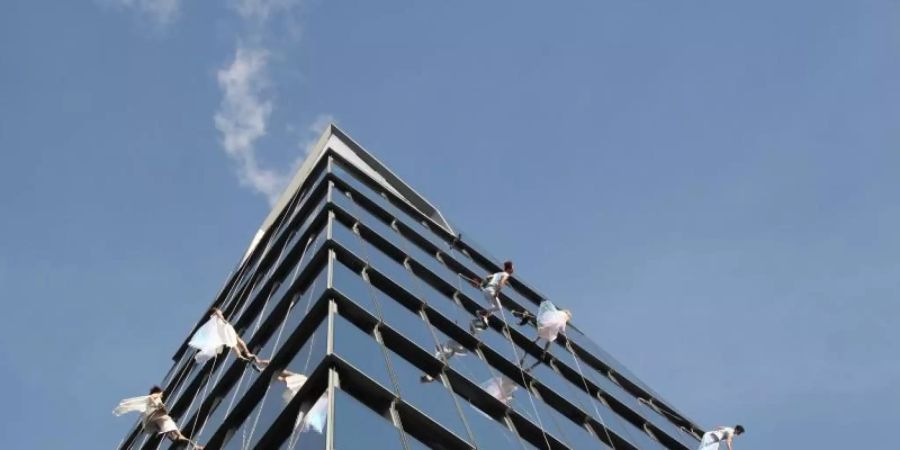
(314, 418)
(217, 333)
(155, 417)
(490, 288)
(550, 322)
(444, 352)
(712, 439)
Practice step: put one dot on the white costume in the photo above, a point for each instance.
(712, 438)
(315, 417)
(551, 321)
(211, 337)
(154, 418)
(491, 289)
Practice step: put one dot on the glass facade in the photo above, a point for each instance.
(358, 294)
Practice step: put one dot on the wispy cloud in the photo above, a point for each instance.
(160, 12)
(247, 98)
(261, 10)
(243, 115)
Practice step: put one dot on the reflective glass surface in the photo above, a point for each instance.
(277, 395)
(362, 351)
(356, 427)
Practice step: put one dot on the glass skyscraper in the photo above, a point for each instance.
(358, 283)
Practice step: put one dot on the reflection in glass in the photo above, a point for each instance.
(356, 427)
(432, 399)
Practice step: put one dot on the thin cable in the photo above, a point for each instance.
(438, 345)
(522, 373)
(378, 310)
(306, 364)
(247, 442)
(593, 404)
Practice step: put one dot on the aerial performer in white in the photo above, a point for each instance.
(712, 439)
(155, 417)
(490, 288)
(444, 352)
(550, 322)
(314, 418)
(217, 333)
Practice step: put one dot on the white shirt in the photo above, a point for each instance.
(723, 433)
(496, 279)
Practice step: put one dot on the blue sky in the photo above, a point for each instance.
(713, 185)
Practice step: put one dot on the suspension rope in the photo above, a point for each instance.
(525, 383)
(306, 364)
(220, 370)
(438, 345)
(372, 293)
(522, 372)
(275, 349)
(584, 382)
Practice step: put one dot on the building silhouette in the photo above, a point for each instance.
(357, 282)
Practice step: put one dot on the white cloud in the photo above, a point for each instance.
(242, 118)
(261, 10)
(161, 12)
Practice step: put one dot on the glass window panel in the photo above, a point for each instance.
(386, 231)
(356, 427)
(574, 435)
(187, 418)
(500, 344)
(223, 407)
(286, 325)
(622, 426)
(664, 424)
(473, 368)
(445, 305)
(488, 433)
(385, 204)
(535, 410)
(273, 402)
(405, 322)
(350, 240)
(396, 315)
(546, 376)
(362, 214)
(433, 399)
(465, 260)
(362, 351)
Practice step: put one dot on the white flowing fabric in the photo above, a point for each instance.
(211, 337)
(500, 388)
(133, 404)
(711, 439)
(149, 407)
(294, 382)
(550, 321)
